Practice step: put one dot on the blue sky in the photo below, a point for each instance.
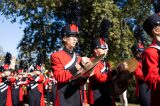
(10, 35)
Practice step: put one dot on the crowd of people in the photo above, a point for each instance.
(78, 81)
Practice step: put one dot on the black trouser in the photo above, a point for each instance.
(101, 99)
(49, 96)
(144, 95)
(34, 97)
(101, 94)
(3, 97)
(69, 95)
(54, 88)
(15, 97)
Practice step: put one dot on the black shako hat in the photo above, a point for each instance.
(100, 43)
(70, 29)
(137, 48)
(151, 22)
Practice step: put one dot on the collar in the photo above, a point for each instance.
(157, 42)
(68, 51)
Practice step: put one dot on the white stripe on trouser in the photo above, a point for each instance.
(123, 98)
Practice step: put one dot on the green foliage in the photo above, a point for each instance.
(137, 9)
(131, 92)
(120, 36)
(44, 19)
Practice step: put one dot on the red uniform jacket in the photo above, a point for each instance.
(102, 74)
(139, 76)
(151, 71)
(138, 72)
(63, 66)
(60, 60)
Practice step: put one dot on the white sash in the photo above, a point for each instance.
(156, 46)
(103, 69)
(71, 62)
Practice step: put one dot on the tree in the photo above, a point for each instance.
(42, 27)
(44, 20)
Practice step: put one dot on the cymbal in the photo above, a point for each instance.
(132, 64)
(87, 67)
(94, 62)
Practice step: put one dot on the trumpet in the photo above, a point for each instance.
(26, 74)
(46, 72)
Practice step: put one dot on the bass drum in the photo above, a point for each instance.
(121, 81)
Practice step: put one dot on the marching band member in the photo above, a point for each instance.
(35, 89)
(151, 56)
(17, 90)
(142, 90)
(65, 64)
(5, 82)
(5, 87)
(101, 75)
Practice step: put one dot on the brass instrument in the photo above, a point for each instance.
(24, 88)
(25, 74)
(30, 73)
(46, 72)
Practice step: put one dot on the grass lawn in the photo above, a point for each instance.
(118, 104)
